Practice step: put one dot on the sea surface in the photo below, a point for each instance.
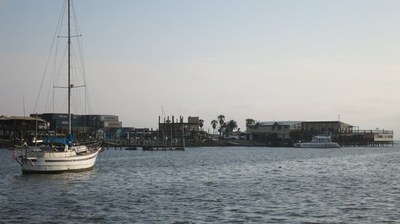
(211, 185)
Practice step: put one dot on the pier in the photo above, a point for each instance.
(146, 146)
(366, 138)
(163, 148)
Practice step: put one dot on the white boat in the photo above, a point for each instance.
(59, 155)
(318, 142)
(53, 160)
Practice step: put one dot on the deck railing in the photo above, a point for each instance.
(376, 131)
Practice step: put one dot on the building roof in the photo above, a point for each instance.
(9, 118)
(288, 123)
(315, 122)
(279, 123)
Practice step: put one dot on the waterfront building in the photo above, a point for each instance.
(378, 135)
(174, 129)
(310, 129)
(285, 133)
(274, 131)
(82, 125)
(332, 128)
(18, 129)
(294, 131)
(374, 137)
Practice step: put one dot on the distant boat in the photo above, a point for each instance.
(59, 155)
(318, 142)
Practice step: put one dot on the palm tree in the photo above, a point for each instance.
(221, 119)
(201, 123)
(214, 125)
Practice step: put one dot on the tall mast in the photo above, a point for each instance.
(69, 68)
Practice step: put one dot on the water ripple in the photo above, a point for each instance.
(211, 185)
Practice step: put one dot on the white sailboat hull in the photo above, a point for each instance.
(58, 162)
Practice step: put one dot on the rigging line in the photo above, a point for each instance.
(82, 62)
(65, 104)
(48, 59)
(77, 71)
(79, 44)
(54, 102)
(52, 77)
(60, 69)
(77, 94)
(87, 104)
(57, 64)
(83, 70)
(23, 104)
(57, 70)
(73, 102)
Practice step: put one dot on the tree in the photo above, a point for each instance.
(250, 121)
(221, 119)
(230, 126)
(214, 125)
(201, 123)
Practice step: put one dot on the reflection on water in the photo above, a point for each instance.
(212, 185)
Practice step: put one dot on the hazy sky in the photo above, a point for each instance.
(266, 60)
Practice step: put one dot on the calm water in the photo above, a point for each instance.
(211, 185)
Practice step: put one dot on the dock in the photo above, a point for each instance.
(163, 148)
(145, 147)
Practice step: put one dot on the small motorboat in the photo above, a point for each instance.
(318, 142)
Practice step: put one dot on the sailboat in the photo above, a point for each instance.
(59, 155)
